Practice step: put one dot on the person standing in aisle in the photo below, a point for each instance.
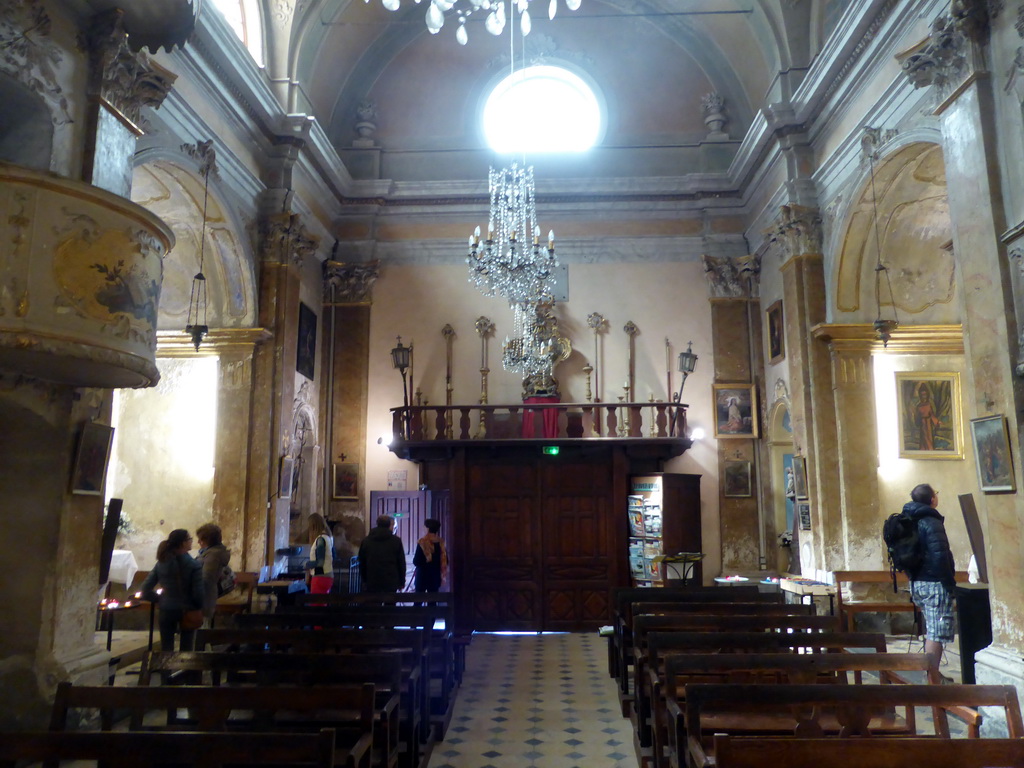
(180, 578)
(431, 559)
(382, 558)
(321, 556)
(214, 558)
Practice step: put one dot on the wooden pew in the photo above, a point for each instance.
(880, 752)
(682, 669)
(847, 607)
(439, 666)
(781, 620)
(816, 711)
(238, 600)
(347, 710)
(397, 702)
(623, 599)
(202, 750)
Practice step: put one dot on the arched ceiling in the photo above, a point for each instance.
(652, 61)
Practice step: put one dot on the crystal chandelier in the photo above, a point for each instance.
(532, 352)
(495, 10)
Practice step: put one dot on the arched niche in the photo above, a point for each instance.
(175, 194)
(780, 447)
(26, 127)
(907, 198)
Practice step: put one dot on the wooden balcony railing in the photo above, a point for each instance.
(543, 421)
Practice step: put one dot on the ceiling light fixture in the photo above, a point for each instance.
(495, 10)
(196, 326)
(883, 326)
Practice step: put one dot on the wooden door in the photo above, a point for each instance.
(540, 542)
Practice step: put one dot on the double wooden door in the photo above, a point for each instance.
(540, 540)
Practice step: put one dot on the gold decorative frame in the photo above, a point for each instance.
(930, 423)
(992, 453)
(741, 424)
(775, 332)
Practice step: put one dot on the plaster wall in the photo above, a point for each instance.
(162, 461)
(663, 300)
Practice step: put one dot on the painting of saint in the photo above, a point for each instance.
(736, 410)
(929, 415)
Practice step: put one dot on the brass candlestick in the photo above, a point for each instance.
(449, 336)
(484, 329)
(598, 325)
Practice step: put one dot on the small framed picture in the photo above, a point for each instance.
(91, 460)
(929, 415)
(345, 483)
(992, 453)
(735, 410)
(737, 483)
(803, 514)
(800, 477)
(285, 480)
(776, 336)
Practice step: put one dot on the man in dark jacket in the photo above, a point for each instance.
(933, 582)
(382, 559)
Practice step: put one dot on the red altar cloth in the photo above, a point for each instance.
(550, 415)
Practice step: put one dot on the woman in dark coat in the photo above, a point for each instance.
(180, 578)
(431, 559)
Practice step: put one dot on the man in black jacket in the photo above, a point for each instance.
(382, 558)
(933, 582)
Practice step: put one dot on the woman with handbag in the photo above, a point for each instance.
(180, 578)
(321, 562)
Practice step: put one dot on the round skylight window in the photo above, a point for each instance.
(542, 109)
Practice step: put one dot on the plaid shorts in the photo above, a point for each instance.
(936, 605)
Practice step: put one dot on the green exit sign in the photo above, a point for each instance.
(550, 450)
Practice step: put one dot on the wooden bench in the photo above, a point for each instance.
(624, 598)
(346, 710)
(397, 701)
(849, 606)
(643, 624)
(879, 752)
(682, 669)
(816, 711)
(202, 750)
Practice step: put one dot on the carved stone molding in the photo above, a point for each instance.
(29, 56)
(733, 277)
(349, 283)
(873, 138)
(284, 239)
(797, 231)
(126, 80)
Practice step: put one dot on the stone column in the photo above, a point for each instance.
(951, 62)
(736, 333)
(284, 244)
(797, 236)
(347, 298)
(121, 83)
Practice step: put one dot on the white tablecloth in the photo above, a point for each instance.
(123, 567)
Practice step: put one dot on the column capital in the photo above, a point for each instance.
(349, 283)
(284, 239)
(951, 56)
(733, 277)
(125, 80)
(796, 231)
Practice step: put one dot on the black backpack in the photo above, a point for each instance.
(903, 543)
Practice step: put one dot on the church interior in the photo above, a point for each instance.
(269, 258)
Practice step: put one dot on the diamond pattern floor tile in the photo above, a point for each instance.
(536, 700)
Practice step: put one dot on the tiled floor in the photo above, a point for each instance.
(537, 700)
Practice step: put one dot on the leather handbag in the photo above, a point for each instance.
(192, 619)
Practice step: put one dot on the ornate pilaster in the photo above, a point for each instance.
(797, 231)
(733, 277)
(349, 283)
(284, 240)
(952, 54)
(121, 83)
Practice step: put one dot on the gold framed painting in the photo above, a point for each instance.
(735, 410)
(992, 452)
(776, 336)
(928, 405)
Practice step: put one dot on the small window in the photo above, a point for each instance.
(243, 16)
(542, 109)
